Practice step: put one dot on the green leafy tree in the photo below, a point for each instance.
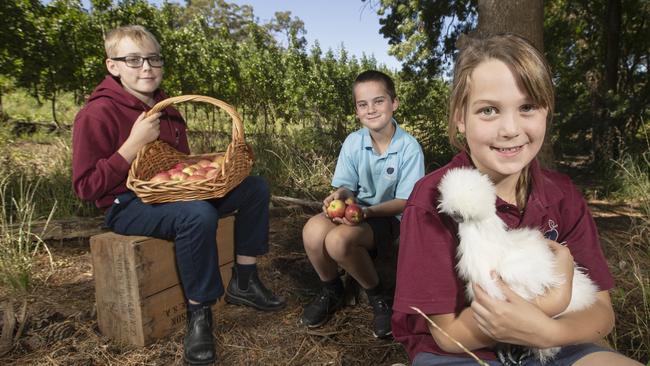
(599, 52)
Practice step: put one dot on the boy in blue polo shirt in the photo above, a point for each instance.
(378, 166)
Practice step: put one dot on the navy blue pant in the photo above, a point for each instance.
(192, 226)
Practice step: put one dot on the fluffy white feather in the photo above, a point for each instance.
(520, 257)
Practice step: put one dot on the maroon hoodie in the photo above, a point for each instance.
(99, 172)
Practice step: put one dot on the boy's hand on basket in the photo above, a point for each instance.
(144, 130)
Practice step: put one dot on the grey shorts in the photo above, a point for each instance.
(567, 356)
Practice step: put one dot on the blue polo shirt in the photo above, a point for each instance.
(378, 178)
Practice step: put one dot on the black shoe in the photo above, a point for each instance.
(256, 295)
(317, 312)
(381, 316)
(198, 342)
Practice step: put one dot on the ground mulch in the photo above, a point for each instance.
(60, 325)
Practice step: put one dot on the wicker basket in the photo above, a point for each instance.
(158, 156)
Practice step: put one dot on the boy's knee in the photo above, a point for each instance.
(199, 212)
(258, 185)
(337, 246)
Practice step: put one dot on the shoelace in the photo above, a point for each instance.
(380, 305)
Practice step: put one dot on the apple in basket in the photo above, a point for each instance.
(178, 175)
(179, 166)
(203, 163)
(195, 177)
(200, 171)
(212, 172)
(161, 177)
(218, 159)
(189, 170)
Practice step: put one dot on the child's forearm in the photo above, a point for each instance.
(384, 209)
(555, 300)
(589, 325)
(461, 328)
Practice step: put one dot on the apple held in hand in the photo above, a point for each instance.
(350, 201)
(336, 208)
(354, 213)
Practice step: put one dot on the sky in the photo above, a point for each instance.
(352, 23)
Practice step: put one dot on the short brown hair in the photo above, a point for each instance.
(377, 76)
(137, 33)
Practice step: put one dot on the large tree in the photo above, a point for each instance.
(424, 34)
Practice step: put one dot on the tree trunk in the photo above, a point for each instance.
(524, 18)
(607, 132)
(56, 121)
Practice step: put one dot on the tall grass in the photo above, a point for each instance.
(297, 164)
(19, 245)
(50, 166)
(632, 299)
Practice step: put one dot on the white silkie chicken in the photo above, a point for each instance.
(521, 257)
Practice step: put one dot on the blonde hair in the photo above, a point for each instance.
(530, 69)
(139, 34)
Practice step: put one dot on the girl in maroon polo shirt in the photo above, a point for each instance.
(501, 101)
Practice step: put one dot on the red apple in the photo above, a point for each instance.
(189, 169)
(178, 175)
(179, 166)
(203, 163)
(215, 165)
(200, 171)
(354, 213)
(336, 208)
(195, 177)
(161, 177)
(212, 173)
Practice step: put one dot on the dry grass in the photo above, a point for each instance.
(62, 328)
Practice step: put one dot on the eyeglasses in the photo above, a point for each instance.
(138, 61)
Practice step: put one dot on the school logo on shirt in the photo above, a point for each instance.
(551, 233)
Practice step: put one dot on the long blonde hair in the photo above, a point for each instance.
(530, 69)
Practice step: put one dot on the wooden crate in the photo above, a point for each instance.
(137, 289)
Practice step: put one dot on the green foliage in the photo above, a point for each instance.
(587, 109)
(423, 34)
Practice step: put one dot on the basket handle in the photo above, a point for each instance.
(237, 126)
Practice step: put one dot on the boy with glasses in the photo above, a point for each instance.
(107, 134)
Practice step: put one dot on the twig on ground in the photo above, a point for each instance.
(480, 362)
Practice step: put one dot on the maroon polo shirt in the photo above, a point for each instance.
(426, 275)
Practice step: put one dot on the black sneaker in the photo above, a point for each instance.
(317, 312)
(381, 316)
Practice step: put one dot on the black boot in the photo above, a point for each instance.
(255, 295)
(198, 342)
